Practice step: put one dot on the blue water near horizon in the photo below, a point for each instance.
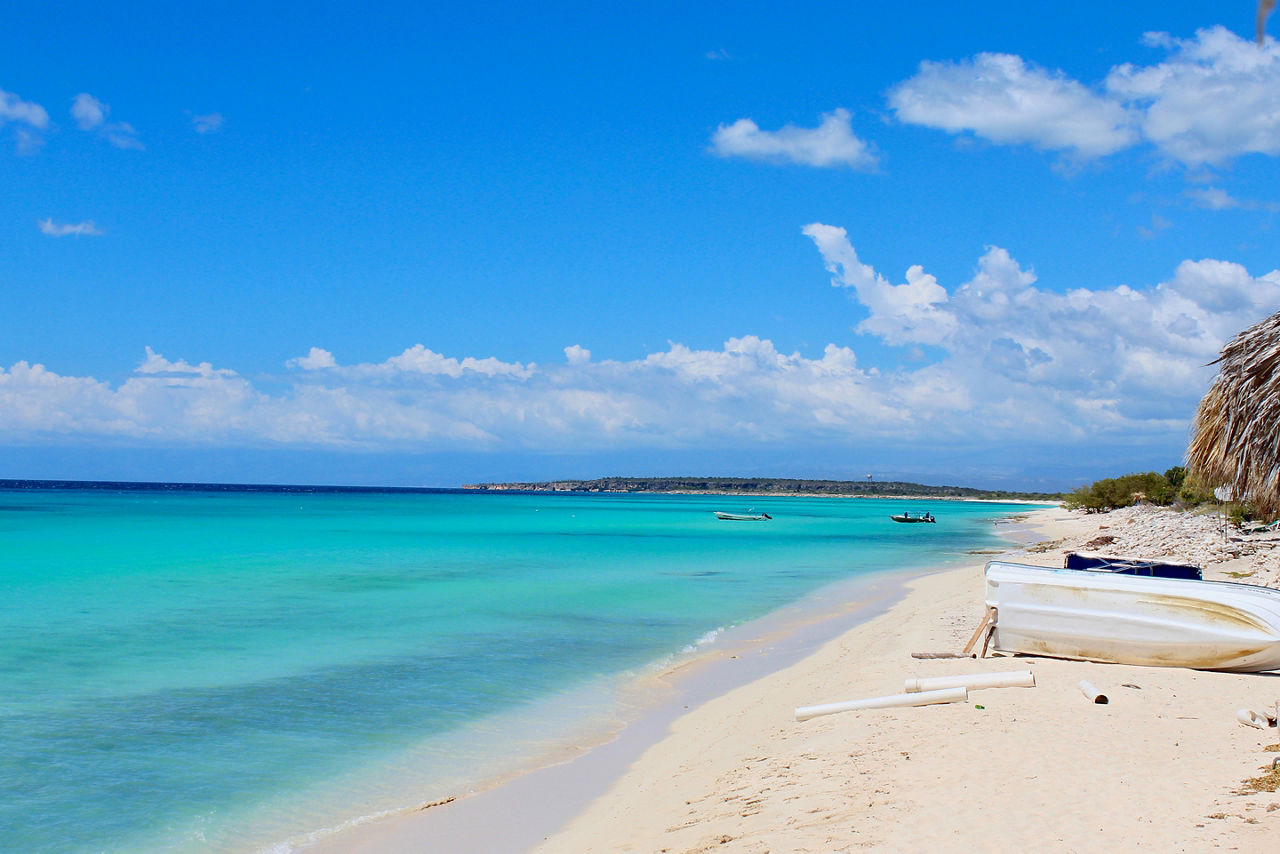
(193, 670)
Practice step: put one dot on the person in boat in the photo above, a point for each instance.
(928, 517)
(766, 515)
(906, 514)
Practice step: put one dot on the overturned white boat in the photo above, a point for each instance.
(1128, 619)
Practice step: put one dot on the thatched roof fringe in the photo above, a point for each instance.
(1236, 437)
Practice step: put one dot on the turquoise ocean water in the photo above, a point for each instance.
(230, 671)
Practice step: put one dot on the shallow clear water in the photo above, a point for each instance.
(224, 670)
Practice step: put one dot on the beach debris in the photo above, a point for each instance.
(1095, 696)
(988, 625)
(973, 681)
(938, 655)
(1131, 685)
(1249, 717)
(438, 803)
(923, 698)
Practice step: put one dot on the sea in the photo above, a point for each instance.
(246, 669)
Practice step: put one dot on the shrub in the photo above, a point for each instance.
(1125, 491)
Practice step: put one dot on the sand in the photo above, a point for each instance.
(1161, 767)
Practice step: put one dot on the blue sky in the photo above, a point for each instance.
(427, 245)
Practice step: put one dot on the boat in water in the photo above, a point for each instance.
(742, 517)
(907, 517)
(1133, 619)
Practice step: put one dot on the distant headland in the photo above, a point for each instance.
(766, 486)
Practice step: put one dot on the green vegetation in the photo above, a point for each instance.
(766, 486)
(1172, 487)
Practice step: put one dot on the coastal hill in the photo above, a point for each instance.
(765, 486)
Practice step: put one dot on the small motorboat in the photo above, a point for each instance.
(742, 517)
(1133, 619)
(907, 517)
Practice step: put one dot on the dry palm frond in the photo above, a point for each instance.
(1236, 437)
(1264, 9)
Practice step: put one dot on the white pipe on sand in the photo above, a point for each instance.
(924, 698)
(1094, 695)
(974, 681)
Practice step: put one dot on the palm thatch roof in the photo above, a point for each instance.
(1236, 437)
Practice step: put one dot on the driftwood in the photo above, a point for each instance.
(987, 625)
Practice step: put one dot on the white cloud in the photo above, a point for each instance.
(207, 123)
(1001, 98)
(1215, 97)
(76, 229)
(577, 355)
(999, 360)
(1213, 198)
(1056, 355)
(1216, 199)
(419, 360)
(15, 110)
(899, 313)
(154, 363)
(91, 114)
(88, 111)
(832, 143)
(315, 360)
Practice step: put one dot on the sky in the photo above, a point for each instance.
(992, 244)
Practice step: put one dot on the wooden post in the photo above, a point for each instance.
(988, 619)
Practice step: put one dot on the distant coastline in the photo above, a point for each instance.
(745, 486)
(765, 486)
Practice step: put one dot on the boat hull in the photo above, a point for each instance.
(742, 517)
(1125, 619)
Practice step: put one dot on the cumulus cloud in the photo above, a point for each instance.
(90, 114)
(998, 358)
(88, 111)
(30, 118)
(154, 363)
(577, 355)
(1215, 97)
(75, 229)
(832, 143)
(1081, 356)
(315, 360)
(1002, 98)
(14, 109)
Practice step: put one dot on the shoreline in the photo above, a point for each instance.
(536, 801)
(1160, 767)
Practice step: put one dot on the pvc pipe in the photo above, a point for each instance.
(1249, 717)
(924, 698)
(974, 681)
(1094, 695)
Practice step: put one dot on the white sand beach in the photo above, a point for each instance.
(1161, 767)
